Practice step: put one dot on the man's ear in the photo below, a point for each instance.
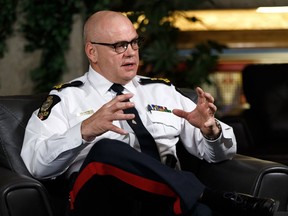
(91, 52)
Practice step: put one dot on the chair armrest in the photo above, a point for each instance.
(248, 175)
(22, 195)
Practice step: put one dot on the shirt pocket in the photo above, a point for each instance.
(163, 124)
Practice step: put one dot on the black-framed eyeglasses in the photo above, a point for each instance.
(122, 46)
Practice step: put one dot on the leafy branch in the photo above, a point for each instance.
(7, 19)
(47, 26)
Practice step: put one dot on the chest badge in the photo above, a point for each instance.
(153, 107)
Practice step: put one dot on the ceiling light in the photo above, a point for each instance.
(283, 9)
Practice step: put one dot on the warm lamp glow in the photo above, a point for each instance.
(247, 19)
(283, 9)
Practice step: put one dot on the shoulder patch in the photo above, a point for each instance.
(76, 83)
(47, 106)
(144, 81)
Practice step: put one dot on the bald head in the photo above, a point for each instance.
(101, 31)
(104, 24)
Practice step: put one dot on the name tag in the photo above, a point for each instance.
(88, 112)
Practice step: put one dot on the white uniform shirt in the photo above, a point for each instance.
(54, 145)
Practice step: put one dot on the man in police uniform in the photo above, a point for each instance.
(81, 131)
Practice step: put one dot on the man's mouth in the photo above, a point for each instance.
(129, 65)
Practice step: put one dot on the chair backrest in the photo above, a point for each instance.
(15, 112)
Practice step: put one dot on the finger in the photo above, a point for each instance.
(199, 90)
(212, 109)
(122, 116)
(124, 97)
(120, 98)
(209, 97)
(118, 130)
(120, 102)
(201, 97)
(180, 113)
(120, 106)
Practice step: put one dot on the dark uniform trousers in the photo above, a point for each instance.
(116, 179)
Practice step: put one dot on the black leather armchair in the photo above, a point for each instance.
(21, 194)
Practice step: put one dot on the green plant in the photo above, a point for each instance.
(160, 54)
(47, 24)
(195, 69)
(47, 27)
(7, 19)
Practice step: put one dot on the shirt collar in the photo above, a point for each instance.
(102, 85)
(99, 83)
(130, 87)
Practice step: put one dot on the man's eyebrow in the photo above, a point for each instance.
(126, 41)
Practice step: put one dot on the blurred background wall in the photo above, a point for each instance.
(250, 37)
(16, 64)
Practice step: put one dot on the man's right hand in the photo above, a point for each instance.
(102, 120)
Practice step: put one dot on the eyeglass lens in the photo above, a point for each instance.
(122, 46)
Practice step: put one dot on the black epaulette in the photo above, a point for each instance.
(189, 93)
(76, 83)
(47, 106)
(144, 81)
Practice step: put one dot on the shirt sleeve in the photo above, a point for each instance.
(217, 150)
(50, 145)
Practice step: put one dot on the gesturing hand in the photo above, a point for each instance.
(202, 116)
(101, 121)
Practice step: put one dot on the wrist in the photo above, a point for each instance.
(214, 135)
(85, 133)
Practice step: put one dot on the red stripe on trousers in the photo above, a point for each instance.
(97, 168)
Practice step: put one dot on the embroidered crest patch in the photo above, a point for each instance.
(47, 106)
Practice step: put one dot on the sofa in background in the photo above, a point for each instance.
(21, 194)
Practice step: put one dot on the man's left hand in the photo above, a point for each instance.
(202, 116)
